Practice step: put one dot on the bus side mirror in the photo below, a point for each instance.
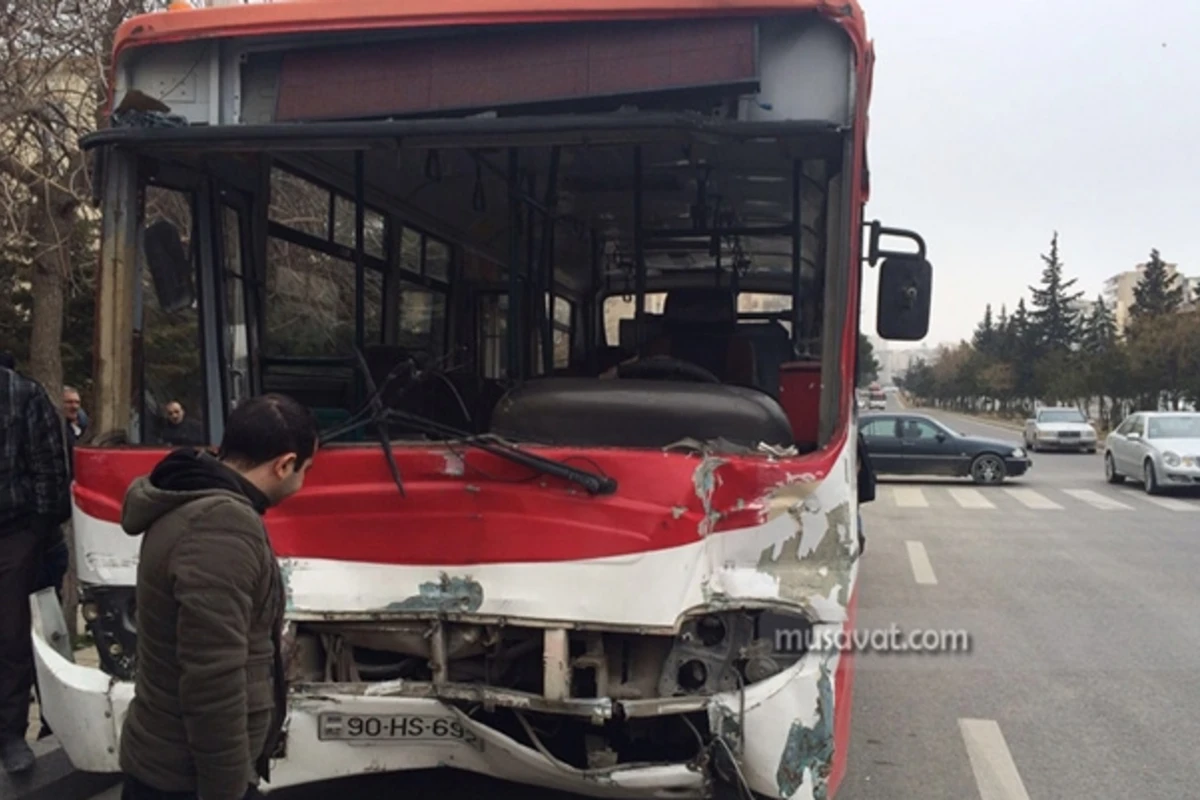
(170, 267)
(905, 289)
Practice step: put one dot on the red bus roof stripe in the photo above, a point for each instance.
(308, 16)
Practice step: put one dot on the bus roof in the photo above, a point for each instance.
(310, 16)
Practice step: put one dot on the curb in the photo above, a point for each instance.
(53, 778)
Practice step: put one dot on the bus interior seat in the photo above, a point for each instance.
(451, 399)
(628, 339)
(773, 348)
(586, 412)
(327, 389)
(700, 327)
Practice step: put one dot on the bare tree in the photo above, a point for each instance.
(54, 67)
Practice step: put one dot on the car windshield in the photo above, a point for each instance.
(1180, 427)
(1061, 415)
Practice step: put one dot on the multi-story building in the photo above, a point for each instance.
(1118, 290)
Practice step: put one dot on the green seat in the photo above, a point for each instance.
(332, 417)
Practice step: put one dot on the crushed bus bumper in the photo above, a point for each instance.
(776, 737)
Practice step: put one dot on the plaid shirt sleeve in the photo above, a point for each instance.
(46, 457)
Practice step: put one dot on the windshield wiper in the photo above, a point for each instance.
(595, 484)
(374, 413)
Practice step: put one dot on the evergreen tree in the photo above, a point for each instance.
(986, 334)
(1158, 292)
(1053, 319)
(1099, 330)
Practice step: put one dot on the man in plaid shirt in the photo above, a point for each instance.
(34, 501)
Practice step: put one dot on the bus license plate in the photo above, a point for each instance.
(382, 728)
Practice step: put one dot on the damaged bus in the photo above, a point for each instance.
(575, 295)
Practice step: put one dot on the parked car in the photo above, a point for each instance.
(1060, 429)
(901, 443)
(1161, 448)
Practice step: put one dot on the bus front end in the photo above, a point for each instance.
(575, 295)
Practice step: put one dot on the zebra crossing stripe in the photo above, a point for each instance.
(909, 497)
(970, 498)
(1031, 499)
(1097, 500)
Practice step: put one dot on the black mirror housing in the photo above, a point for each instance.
(905, 294)
(170, 267)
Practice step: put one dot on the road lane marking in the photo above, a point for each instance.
(970, 498)
(1169, 503)
(922, 569)
(909, 497)
(1031, 499)
(995, 773)
(1097, 500)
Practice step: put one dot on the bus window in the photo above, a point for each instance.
(421, 322)
(437, 260)
(619, 307)
(493, 335)
(309, 308)
(170, 405)
(237, 345)
(374, 227)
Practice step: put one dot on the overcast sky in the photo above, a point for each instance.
(995, 122)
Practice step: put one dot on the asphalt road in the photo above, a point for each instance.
(1080, 600)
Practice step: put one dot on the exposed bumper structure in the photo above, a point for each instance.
(770, 729)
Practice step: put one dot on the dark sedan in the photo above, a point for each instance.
(915, 444)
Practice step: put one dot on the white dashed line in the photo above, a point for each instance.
(1031, 499)
(995, 773)
(922, 569)
(970, 498)
(1097, 500)
(909, 497)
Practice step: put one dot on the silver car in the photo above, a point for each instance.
(1060, 429)
(1160, 448)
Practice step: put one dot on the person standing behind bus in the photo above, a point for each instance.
(34, 501)
(209, 696)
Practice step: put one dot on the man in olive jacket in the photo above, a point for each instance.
(210, 697)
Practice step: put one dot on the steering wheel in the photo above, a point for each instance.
(666, 368)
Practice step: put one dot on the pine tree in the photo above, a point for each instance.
(1099, 330)
(985, 338)
(1158, 292)
(1053, 318)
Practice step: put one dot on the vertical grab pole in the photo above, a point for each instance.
(548, 225)
(360, 278)
(639, 256)
(533, 277)
(797, 260)
(514, 264)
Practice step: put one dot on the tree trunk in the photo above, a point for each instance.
(52, 226)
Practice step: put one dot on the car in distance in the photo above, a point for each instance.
(876, 398)
(900, 443)
(1161, 448)
(1060, 428)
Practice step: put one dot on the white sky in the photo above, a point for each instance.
(995, 122)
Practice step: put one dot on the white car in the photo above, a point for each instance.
(1060, 429)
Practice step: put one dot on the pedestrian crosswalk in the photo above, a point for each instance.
(1043, 498)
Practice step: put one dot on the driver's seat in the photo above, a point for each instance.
(700, 326)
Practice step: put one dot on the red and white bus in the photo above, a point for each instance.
(574, 289)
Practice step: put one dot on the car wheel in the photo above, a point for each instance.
(1150, 479)
(1110, 470)
(987, 469)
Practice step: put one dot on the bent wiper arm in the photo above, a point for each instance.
(595, 484)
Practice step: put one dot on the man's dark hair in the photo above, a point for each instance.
(7, 361)
(266, 427)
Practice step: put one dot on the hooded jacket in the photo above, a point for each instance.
(210, 697)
